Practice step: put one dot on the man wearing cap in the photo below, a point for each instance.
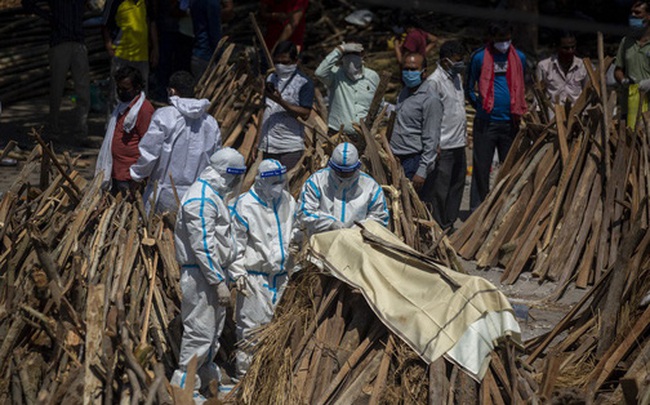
(263, 220)
(205, 246)
(351, 86)
(339, 195)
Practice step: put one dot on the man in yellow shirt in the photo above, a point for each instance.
(130, 35)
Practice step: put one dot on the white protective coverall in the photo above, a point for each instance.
(263, 223)
(180, 140)
(329, 200)
(205, 246)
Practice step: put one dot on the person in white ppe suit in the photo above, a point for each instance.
(263, 224)
(205, 247)
(179, 142)
(341, 194)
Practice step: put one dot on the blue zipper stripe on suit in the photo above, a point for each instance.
(205, 232)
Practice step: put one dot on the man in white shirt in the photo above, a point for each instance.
(448, 179)
(289, 95)
(563, 74)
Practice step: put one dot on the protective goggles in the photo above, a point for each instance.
(344, 169)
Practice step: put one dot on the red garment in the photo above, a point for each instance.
(416, 42)
(125, 146)
(514, 77)
(274, 27)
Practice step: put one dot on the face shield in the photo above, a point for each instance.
(234, 178)
(230, 166)
(345, 165)
(271, 180)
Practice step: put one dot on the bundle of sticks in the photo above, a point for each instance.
(567, 192)
(24, 65)
(88, 292)
(601, 346)
(325, 345)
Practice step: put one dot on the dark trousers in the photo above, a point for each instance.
(289, 160)
(410, 164)
(488, 137)
(448, 182)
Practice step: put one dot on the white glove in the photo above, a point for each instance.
(241, 284)
(644, 85)
(336, 225)
(223, 294)
(351, 47)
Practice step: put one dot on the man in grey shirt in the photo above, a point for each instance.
(416, 133)
(448, 181)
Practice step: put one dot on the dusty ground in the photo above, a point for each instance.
(527, 295)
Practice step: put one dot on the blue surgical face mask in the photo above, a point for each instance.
(411, 78)
(636, 22)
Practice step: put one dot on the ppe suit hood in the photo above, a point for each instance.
(190, 107)
(270, 181)
(345, 158)
(226, 172)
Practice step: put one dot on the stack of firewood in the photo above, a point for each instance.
(24, 65)
(326, 346)
(567, 192)
(88, 292)
(601, 346)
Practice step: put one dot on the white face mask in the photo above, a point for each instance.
(344, 182)
(275, 191)
(231, 186)
(502, 46)
(284, 71)
(353, 66)
(270, 189)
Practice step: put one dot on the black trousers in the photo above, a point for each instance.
(488, 137)
(445, 192)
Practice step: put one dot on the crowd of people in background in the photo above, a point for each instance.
(247, 241)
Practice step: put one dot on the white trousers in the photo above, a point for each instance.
(256, 310)
(203, 321)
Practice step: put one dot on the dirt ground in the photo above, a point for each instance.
(526, 295)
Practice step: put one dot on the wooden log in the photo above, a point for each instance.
(382, 373)
(377, 331)
(530, 239)
(610, 359)
(615, 291)
(635, 379)
(551, 368)
(92, 392)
